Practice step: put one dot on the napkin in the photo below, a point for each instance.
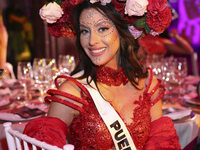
(5, 91)
(192, 79)
(4, 101)
(191, 95)
(176, 112)
(9, 82)
(26, 112)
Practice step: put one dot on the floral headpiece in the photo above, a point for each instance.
(143, 16)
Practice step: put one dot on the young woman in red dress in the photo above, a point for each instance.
(111, 101)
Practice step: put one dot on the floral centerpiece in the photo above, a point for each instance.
(143, 16)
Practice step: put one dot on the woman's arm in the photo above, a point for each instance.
(180, 47)
(61, 111)
(156, 109)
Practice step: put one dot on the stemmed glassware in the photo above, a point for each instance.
(180, 73)
(155, 63)
(44, 71)
(168, 68)
(25, 76)
(66, 64)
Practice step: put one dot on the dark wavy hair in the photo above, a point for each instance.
(128, 45)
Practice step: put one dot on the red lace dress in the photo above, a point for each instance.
(88, 131)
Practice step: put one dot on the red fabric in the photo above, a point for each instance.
(48, 129)
(153, 44)
(88, 130)
(162, 136)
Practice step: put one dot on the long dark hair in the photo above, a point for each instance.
(128, 45)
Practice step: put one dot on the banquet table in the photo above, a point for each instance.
(188, 130)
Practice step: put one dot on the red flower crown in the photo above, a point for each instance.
(155, 19)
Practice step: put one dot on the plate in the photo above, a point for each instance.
(4, 102)
(15, 118)
(176, 113)
(185, 119)
(23, 113)
(195, 108)
(193, 101)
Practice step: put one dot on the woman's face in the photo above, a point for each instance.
(99, 38)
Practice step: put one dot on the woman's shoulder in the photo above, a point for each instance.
(151, 81)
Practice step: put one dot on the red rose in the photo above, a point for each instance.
(119, 5)
(158, 16)
(75, 2)
(54, 30)
(67, 8)
(67, 32)
(130, 19)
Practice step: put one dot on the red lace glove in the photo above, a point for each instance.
(162, 135)
(48, 129)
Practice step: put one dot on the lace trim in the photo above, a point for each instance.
(110, 76)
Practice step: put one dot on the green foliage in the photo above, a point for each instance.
(140, 23)
(57, 1)
(147, 29)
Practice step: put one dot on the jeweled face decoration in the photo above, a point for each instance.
(99, 37)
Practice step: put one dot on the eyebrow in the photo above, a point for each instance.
(102, 21)
(83, 24)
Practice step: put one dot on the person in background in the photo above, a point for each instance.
(3, 51)
(3, 42)
(111, 101)
(164, 45)
(20, 34)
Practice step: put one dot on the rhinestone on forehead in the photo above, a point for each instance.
(90, 13)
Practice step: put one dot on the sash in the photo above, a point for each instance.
(120, 135)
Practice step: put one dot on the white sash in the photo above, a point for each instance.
(120, 135)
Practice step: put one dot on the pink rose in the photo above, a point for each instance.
(135, 33)
(103, 2)
(136, 7)
(51, 12)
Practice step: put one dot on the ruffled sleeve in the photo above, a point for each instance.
(47, 129)
(162, 135)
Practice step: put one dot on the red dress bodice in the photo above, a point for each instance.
(88, 131)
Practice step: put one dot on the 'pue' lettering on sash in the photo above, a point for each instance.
(120, 136)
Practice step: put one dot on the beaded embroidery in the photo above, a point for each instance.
(110, 76)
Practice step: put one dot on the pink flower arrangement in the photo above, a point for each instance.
(143, 16)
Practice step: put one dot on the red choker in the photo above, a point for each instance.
(110, 76)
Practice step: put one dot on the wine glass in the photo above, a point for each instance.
(168, 68)
(66, 64)
(155, 63)
(44, 72)
(25, 76)
(180, 73)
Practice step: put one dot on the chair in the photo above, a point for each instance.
(14, 139)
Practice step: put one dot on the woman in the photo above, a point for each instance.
(112, 78)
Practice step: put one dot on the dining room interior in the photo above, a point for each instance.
(31, 47)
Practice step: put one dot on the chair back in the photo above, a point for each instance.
(15, 139)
